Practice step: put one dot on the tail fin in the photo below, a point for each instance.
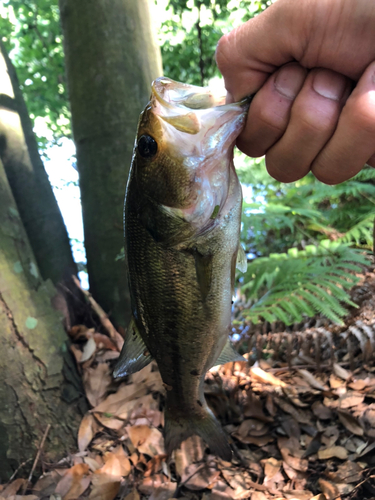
(179, 427)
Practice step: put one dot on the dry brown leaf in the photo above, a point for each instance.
(74, 482)
(298, 494)
(271, 467)
(116, 463)
(200, 476)
(252, 427)
(190, 451)
(309, 377)
(222, 491)
(291, 452)
(340, 372)
(92, 463)
(358, 384)
(87, 431)
(351, 400)
(266, 378)
(329, 489)
(96, 382)
(116, 404)
(257, 441)
(334, 451)
(12, 488)
(104, 486)
(133, 495)
(146, 440)
(164, 492)
(88, 350)
(104, 342)
(24, 497)
(155, 465)
(258, 495)
(350, 422)
(302, 416)
(47, 483)
(149, 484)
(254, 408)
(348, 472)
(330, 436)
(321, 411)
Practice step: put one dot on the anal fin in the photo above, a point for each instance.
(134, 354)
(228, 354)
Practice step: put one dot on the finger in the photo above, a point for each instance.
(318, 33)
(313, 120)
(269, 112)
(353, 142)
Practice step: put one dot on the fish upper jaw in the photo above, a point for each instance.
(201, 129)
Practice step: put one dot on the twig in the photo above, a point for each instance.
(17, 470)
(105, 321)
(36, 459)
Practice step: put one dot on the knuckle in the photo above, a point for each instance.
(272, 121)
(223, 53)
(317, 123)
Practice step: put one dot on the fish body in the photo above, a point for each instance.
(182, 222)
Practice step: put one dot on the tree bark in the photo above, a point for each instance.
(31, 351)
(111, 59)
(29, 182)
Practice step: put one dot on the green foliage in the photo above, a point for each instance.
(290, 286)
(190, 35)
(33, 37)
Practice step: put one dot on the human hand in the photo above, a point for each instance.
(303, 59)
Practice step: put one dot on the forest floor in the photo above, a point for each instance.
(301, 420)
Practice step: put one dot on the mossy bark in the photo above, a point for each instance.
(32, 345)
(111, 59)
(29, 182)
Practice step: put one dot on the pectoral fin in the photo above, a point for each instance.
(134, 355)
(241, 263)
(203, 267)
(228, 354)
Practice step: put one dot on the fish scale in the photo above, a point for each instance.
(181, 257)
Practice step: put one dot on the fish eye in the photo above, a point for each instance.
(147, 146)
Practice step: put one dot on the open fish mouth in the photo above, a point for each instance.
(171, 94)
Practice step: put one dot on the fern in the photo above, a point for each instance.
(300, 283)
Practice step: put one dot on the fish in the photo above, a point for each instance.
(182, 224)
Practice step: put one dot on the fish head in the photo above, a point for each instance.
(184, 149)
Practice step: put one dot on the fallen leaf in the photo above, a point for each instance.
(349, 472)
(104, 342)
(104, 486)
(330, 491)
(321, 411)
(341, 372)
(200, 476)
(334, 451)
(350, 422)
(12, 488)
(74, 482)
(267, 378)
(88, 350)
(96, 382)
(116, 463)
(146, 440)
(351, 400)
(309, 377)
(151, 483)
(164, 492)
(87, 431)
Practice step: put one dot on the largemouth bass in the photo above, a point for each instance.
(182, 222)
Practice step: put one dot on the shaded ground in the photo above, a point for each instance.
(302, 422)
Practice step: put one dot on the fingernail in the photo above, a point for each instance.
(289, 80)
(329, 84)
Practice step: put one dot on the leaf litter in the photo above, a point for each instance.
(301, 422)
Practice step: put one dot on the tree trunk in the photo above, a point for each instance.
(111, 59)
(29, 182)
(31, 353)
